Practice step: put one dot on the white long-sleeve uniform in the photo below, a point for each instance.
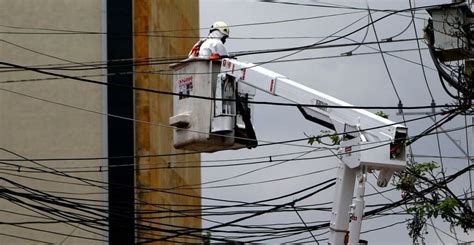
(212, 47)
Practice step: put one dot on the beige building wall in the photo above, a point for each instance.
(44, 117)
(35, 128)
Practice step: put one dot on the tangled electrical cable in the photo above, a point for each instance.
(91, 217)
(461, 80)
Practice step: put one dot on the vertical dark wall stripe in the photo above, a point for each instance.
(120, 132)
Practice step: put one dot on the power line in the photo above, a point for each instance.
(90, 181)
(270, 159)
(120, 117)
(171, 60)
(209, 98)
(151, 33)
(256, 214)
(41, 53)
(337, 6)
(24, 238)
(100, 113)
(344, 55)
(382, 55)
(313, 47)
(306, 226)
(419, 53)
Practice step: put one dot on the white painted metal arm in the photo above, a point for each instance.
(342, 120)
(355, 122)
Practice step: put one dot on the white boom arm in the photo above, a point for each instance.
(372, 126)
(375, 143)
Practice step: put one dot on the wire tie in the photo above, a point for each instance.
(270, 158)
(169, 165)
(292, 204)
(347, 53)
(400, 107)
(19, 169)
(100, 168)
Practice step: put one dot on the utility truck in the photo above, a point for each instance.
(213, 112)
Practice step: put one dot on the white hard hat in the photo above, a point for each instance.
(220, 26)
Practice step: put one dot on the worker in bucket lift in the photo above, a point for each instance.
(212, 47)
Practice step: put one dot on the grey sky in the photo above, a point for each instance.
(359, 80)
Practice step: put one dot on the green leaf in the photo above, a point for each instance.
(382, 114)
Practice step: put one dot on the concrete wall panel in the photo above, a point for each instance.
(162, 19)
(40, 129)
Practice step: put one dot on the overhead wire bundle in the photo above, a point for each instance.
(91, 216)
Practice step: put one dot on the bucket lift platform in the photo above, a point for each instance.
(207, 116)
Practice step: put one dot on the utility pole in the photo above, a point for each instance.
(449, 34)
